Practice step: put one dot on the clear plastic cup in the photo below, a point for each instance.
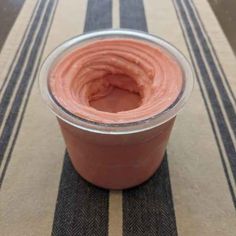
(116, 156)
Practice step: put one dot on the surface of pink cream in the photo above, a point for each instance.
(116, 80)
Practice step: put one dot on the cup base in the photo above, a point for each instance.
(120, 186)
(116, 162)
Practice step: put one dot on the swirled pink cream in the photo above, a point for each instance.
(116, 80)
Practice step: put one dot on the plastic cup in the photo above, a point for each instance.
(116, 156)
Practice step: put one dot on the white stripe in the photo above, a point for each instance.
(115, 213)
(116, 13)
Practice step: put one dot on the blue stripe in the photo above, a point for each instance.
(20, 45)
(7, 95)
(208, 40)
(26, 80)
(224, 132)
(230, 110)
(193, 52)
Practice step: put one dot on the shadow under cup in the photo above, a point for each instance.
(116, 156)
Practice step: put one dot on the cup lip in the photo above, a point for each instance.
(111, 128)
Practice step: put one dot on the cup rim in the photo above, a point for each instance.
(113, 128)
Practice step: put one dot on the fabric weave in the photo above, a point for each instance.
(194, 190)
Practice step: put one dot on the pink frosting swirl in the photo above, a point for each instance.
(116, 80)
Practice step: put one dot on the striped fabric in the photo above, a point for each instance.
(193, 192)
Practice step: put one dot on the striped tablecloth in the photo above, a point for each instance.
(194, 191)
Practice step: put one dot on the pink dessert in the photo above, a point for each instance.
(116, 81)
(109, 95)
